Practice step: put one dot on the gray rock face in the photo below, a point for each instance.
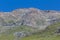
(31, 17)
(21, 34)
(58, 30)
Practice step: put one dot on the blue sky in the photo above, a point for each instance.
(9, 5)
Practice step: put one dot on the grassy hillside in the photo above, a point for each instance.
(48, 34)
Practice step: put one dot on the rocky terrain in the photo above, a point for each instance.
(29, 16)
(27, 21)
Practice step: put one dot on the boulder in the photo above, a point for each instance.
(21, 34)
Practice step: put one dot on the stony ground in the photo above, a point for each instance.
(51, 33)
(30, 24)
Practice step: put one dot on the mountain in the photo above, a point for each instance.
(29, 16)
(29, 21)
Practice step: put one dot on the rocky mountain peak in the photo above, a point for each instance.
(29, 16)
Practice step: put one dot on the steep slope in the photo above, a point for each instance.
(48, 34)
(29, 23)
(30, 17)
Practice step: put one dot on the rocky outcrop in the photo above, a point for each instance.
(33, 17)
(22, 34)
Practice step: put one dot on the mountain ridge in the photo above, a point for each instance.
(29, 16)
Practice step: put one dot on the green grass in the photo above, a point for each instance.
(47, 34)
(38, 37)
